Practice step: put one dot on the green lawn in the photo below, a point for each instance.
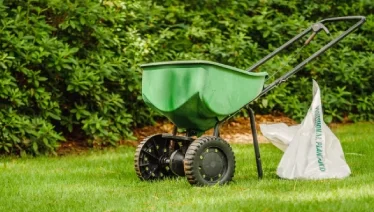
(106, 181)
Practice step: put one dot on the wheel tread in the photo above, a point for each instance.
(191, 154)
(136, 157)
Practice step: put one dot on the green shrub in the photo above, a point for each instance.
(64, 72)
(71, 67)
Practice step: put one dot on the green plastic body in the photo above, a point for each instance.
(195, 95)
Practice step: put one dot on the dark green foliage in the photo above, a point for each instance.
(71, 67)
(239, 33)
(65, 72)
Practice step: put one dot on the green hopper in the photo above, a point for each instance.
(195, 95)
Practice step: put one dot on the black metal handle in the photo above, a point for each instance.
(283, 78)
(345, 18)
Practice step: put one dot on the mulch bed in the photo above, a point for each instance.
(234, 131)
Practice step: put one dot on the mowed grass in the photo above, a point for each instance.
(106, 181)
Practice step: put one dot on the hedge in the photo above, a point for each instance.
(70, 69)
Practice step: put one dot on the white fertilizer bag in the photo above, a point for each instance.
(311, 150)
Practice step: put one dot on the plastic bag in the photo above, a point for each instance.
(279, 134)
(312, 151)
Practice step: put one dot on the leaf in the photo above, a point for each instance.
(52, 115)
(74, 50)
(42, 79)
(28, 37)
(70, 128)
(328, 119)
(70, 87)
(35, 148)
(82, 20)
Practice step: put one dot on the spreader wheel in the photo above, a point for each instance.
(152, 158)
(209, 160)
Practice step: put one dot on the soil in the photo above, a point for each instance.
(234, 131)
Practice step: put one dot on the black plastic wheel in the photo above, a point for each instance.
(151, 158)
(209, 160)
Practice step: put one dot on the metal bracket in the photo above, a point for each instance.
(177, 137)
(316, 28)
